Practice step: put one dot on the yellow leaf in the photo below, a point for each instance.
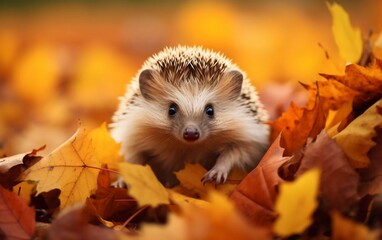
(143, 184)
(106, 148)
(191, 175)
(181, 200)
(356, 139)
(73, 168)
(296, 204)
(346, 229)
(348, 39)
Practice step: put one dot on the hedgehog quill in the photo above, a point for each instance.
(189, 104)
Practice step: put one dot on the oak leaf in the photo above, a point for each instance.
(17, 219)
(348, 39)
(296, 203)
(73, 167)
(143, 184)
(356, 139)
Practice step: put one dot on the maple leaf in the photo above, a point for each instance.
(297, 124)
(343, 228)
(73, 168)
(367, 81)
(348, 39)
(339, 181)
(296, 203)
(143, 184)
(255, 196)
(11, 167)
(356, 139)
(17, 218)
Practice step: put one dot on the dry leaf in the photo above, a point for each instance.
(17, 219)
(348, 39)
(343, 229)
(73, 168)
(143, 184)
(297, 124)
(296, 204)
(72, 223)
(11, 167)
(356, 139)
(256, 194)
(218, 220)
(339, 181)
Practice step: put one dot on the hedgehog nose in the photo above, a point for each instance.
(191, 134)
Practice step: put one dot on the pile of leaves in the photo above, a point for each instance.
(321, 176)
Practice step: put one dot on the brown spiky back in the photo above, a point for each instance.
(192, 64)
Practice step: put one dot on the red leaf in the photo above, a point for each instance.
(17, 220)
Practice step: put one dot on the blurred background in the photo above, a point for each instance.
(65, 61)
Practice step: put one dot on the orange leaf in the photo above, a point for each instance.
(297, 124)
(256, 194)
(17, 219)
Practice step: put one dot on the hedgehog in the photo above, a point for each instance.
(191, 104)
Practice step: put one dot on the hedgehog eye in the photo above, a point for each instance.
(172, 109)
(209, 110)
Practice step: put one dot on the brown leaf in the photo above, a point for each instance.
(72, 223)
(339, 181)
(11, 167)
(371, 177)
(109, 201)
(16, 217)
(256, 194)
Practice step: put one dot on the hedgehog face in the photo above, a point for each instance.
(192, 110)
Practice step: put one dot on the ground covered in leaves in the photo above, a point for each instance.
(320, 178)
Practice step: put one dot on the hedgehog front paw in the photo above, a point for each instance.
(119, 183)
(219, 175)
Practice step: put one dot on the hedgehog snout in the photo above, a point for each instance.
(191, 134)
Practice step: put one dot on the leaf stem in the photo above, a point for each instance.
(134, 215)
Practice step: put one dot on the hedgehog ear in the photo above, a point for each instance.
(150, 84)
(231, 84)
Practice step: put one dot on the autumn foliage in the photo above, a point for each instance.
(320, 178)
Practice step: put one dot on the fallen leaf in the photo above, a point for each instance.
(17, 219)
(356, 139)
(296, 204)
(108, 201)
(371, 177)
(297, 124)
(73, 168)
(348, 39)
(255, 196)
(367, 81)
(218, 220)
(339, 181)
(25, 189)
(72, 223)
(343, 228)
(180, 199)
(190, 178)
(143, 184)
(11, 167)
